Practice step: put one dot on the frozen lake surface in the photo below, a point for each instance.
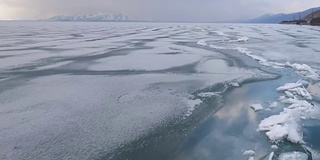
(143, 90)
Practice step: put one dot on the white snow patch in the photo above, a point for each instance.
(192, 105)
(208, 94)
(235, 84)
(202, 43)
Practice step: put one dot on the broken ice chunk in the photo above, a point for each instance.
(294, 136)
(275, 147)
(271, 156)
(293, 156)
(314, 90)
(268, 123)
(289, 94)
(289, 86)
(249, 153)
(278, 132)
(256, 107)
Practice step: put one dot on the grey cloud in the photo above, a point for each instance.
(161, 10)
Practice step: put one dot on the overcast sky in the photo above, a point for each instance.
(157, 10)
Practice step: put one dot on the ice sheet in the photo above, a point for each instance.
(88, 106)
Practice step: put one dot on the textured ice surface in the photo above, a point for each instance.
(145, 61)
(81, 90)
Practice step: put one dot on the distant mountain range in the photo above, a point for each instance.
(277, 18)
(118, 17)
(97, 17)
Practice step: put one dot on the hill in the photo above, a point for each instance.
(314, 15)
(277, 18)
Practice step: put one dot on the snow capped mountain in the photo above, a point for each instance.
(100, 17)
(277, 18)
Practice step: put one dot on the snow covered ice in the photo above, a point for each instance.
(84, 90)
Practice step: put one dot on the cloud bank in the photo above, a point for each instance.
(155, 10)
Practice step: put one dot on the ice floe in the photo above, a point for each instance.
(249, 153)
(293, 156)
(277, 132)
(289, 94)
(286, 124)
(288, 86)
(275, 147)
(295, 89)
(304, 70)
(256, 107)
(270, 157)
